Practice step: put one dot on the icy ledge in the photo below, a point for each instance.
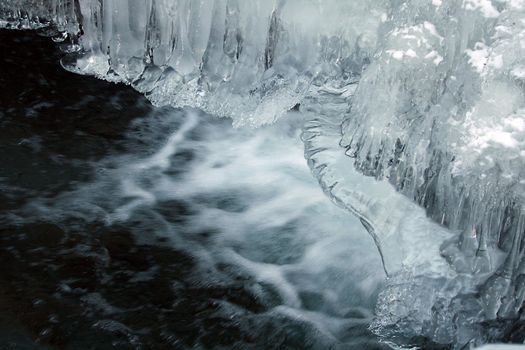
(439, 114)
(425, 295)
(248, 60)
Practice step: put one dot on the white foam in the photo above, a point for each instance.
(253, 192)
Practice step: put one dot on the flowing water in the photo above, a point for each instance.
(131, 227)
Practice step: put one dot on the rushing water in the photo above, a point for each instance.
(125, 226)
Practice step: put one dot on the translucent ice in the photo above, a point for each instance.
(251, 61)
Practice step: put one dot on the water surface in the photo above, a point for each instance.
(133, 227)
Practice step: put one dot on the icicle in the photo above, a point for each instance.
(494, 293)
(482, 263)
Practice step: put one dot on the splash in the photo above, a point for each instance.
(242, 204)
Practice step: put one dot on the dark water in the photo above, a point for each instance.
(124, 226)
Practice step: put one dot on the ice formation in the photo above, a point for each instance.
(251, 61)
(424, 97)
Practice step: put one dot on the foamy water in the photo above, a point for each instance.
(241, 202)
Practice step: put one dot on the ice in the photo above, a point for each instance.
(414, 117)
(251, 61)
(34, 14)
(447, 133)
